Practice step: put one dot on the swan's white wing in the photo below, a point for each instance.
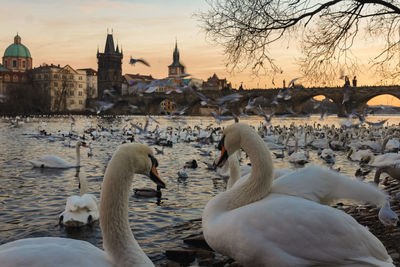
(324, 186)
(87, 201)
(288, 231)
(50, 252)
(78, 209)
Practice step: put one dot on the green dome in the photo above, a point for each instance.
(17, 50)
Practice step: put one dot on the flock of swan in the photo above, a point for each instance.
(265, 217)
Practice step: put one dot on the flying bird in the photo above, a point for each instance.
(133, 61)
(292, 81)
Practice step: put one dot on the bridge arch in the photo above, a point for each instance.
(362, 103)
(302, 102)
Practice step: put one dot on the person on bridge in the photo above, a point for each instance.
(355, 81)
(346, 81)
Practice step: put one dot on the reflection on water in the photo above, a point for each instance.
(31, 199)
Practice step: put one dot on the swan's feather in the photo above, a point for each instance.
(78, 209)
(50, 252)
(269, 231)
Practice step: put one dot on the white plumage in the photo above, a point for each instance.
(258, 228)
(53, 161)
(120, 246)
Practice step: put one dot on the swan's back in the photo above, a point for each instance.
(50, 252)
(282, 230)
(51, 161)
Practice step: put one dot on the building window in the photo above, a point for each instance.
(71, 93)
(80, 85)
(15, 78)
(80, 77)
(23, 78)
(6, 64)
(56, 84)
(55, 76)
(23, 64)
(72, 102)
(7, 78)
(64, 77)
(80, 93)
(80, 102)
(46, 76)
(14, 63)
(71, 76)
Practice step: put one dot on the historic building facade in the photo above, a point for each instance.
(176, 69)
(215, 83)
(91, 82)
(64, 87)
(109, 73)
(16, 61)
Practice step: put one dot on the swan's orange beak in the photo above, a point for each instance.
(155, 177)
(84, 144)
(222, 158)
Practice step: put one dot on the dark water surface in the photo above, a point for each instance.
(31, 199)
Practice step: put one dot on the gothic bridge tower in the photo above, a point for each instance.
(109, 75)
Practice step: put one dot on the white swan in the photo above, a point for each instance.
(258, 228)
(387, 159)
(120, 246)
(80, 210)
(357, 155)
(298, 157)
(53, 161)
(320, 185)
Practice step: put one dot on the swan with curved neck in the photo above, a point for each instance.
(53, 161)
(258, 227)
(120, 246)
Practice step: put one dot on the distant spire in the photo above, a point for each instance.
(176, 54)
(109, 49)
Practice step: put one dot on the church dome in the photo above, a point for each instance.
(17, 49)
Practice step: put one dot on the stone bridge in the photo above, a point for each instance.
(346, 99)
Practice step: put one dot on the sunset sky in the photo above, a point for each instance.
(70, 31)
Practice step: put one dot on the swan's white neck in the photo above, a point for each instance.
(118, 240)
(78, 155)
(82, 183)
(234, 170)
(259, 182)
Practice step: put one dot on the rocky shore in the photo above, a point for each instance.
(194, 251)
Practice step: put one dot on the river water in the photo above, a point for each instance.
(31, 199)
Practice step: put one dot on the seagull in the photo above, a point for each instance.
(159, 151)
(132, 61)
(228, 98)
(266, 117)
(292, 82)
(377, 124)
(250, 104)
(346, 97)
(151, 118)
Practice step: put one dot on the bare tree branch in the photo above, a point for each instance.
(328, 31)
